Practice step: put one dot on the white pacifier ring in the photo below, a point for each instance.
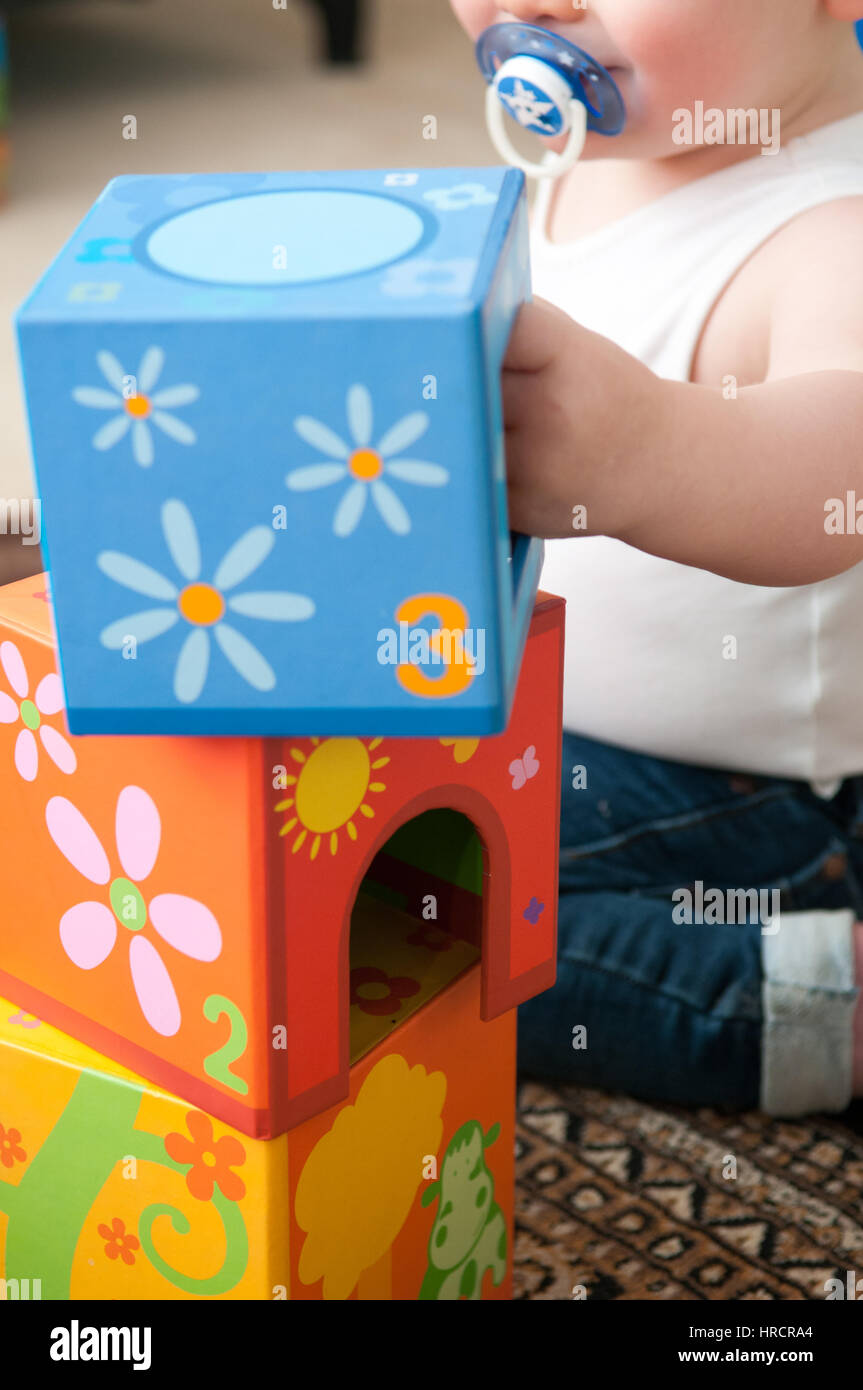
(552, 165)
(550, 87)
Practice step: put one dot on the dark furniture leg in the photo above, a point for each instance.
(342, 22)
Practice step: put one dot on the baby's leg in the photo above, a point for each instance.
(664, 990)
(857, 1077)
(641, 1005)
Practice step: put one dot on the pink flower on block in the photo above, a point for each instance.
(89, 930)
(47, 700)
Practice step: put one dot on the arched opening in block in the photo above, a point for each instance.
(416, 924)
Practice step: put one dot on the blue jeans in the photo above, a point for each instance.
(721, 1013)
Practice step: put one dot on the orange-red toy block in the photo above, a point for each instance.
(183, 905)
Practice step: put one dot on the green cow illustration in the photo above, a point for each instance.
(469, 1233)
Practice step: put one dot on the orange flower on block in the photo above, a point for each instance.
(119, 1242)
(10, 1147)
(397, 988)
(211, 1159)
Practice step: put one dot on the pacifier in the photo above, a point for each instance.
(549, 86)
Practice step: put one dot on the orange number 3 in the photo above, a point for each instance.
(446, 643)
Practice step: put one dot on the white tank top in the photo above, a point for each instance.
(648, 664)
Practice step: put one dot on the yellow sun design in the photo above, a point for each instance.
(329, 790)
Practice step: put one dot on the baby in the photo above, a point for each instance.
(684, 413)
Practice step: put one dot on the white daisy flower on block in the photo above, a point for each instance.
(364, 467)
(139, 412)
(201, 605)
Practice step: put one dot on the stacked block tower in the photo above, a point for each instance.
(279, 749)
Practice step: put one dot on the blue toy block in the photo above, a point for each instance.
(266, 422)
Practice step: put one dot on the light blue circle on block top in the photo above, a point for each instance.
(288, 238)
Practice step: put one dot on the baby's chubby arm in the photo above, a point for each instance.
(738, 486)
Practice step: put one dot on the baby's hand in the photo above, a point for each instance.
(576, 408)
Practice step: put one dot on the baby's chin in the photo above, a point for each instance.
(597, 146)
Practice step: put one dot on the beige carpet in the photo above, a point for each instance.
(214, 85)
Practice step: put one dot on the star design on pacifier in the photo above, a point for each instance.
(525, 105)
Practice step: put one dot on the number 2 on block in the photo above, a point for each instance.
(218, 1064)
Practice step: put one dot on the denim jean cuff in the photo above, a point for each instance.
(809, 994)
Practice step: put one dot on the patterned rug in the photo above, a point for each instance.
(631, 1201)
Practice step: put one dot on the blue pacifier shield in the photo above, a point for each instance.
(532, 103)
